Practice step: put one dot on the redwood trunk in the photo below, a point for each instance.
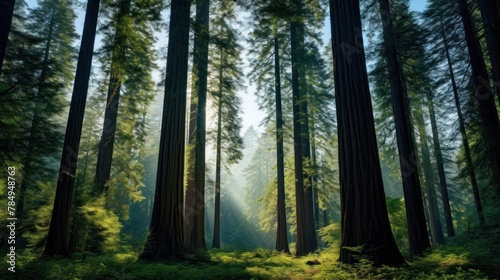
(490, 11)
(58, 236)
(417, 231)
(439, 160)
(106, 145)
(281, 235)
(166, 237)
(465, 141)
(6, 13)
(432, 205)
(483, 93)
(364, 218)
(195, 194)
(216, 239)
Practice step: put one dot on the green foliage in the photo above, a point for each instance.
(330, 234)
(462, 259)
(104, 221)
(399, 224)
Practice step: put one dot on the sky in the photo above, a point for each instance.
(251, 115)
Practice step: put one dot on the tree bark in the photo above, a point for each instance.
(364, 217)
(216, 239)
(195, 193)
(306, 234)
(465, 141)
(106, 145)
(433, 210)
(417, 231)
(281, 235)
(483, 93)
(166, 237)
(58, 236)
(490, 11)
(439, 160)
(6, 13)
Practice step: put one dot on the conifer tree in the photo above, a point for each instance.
(483, 94)
(166, 235)
(223, 85)
(419, 240)
(53, 22)
(58, 236)
(195, 193)
(6, 13)
(364, 218)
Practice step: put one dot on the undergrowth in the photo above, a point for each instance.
(466, 257)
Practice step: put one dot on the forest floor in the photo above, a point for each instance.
(474, 256)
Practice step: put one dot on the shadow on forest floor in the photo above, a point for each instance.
(474, 257)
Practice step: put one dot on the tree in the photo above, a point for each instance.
(490, 11)
(58, 237)
(430, 191)
(195, 193)
(417, 231)
(483, 93)
(166, 236)
(465, 141)
(266, 38)
(441, 17)
(6, 13)
(306, 234)
(364, 215)
(225, 62)
(48, 97)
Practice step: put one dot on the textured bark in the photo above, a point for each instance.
(364, 218)
(465, 141)
(281, 235)
(107, 142)
(166, 236)
(490, 11)
(58, 236)
(432, 205)
(195, 193)
(439, 160)
(6, 13)
(483, 93)
(216, 239)
(417, 231)
(306, 235)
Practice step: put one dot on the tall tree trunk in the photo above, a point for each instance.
(465, 141)
(6, 13)
(106, 145)
(417, 231)
(281, 235)
(166, 237)
(314, 179)
(195, 194)
(483, 93)
(364, 217)
(490, 11)
(433, 210)
(439, 160)
(216, 239)
(58, 236)
(75, 226)
(306, 234)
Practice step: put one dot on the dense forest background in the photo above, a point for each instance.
(126, 149)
